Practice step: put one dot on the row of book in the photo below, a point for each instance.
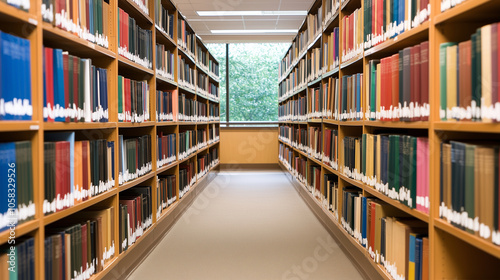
(293, 110)
(213, 134)
(352, 36)
(136, 214)
(82, 247)
(384, 19)
(166, 109)
(166, 149)
(135, 157)
(74, 89)
(164, 19)
(203, 164)
(295, 81)
(15, 74)
(296, 137)
(187, 143)
(331, 8)
(201, 138)
(213, 91)
(395, 165)
(86, 19)
(331, 50)
(285, 155)
(16, 185)
(469, 77)
(187, 177)
(315, 140)
(18, 262)
(165, 193)
(202, 57)
(165, 64)
(186, 74)
(315, 63)
(75, 171)
(213, 67)
(351, 99)
(192, 110)
(469, 187)
(143, 5)
(202, 83)
(20, 4)
(314, 23)
(133, 100)
(135, 43)
(213, 112)
(394, 240)
(329, 154)
(397, 87)
(185, 38)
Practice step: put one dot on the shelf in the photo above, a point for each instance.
(315, 160)
(7, 126)
(473, 240)
(135, 12)
(128, 64)
(187, 89)
(463, 126)
(21, 230)
(350, 123)
(200, 67)
(214, 77)
(167, 167)
(187, 158)
(315, 40)
(186, 123)
(350, 5)
(77, 126)
(131, 124)
(78, 207)
(352, 61)
(468, 10)
(167, 211)
(389, 124)
(330, 73)
(11, 14)
(74, 44)
(405, 39)
(166, 123)
(314, 120)
(165, 37)
(330, 121)
(315, 81)
(133, 183)
(334, 18)
(213, 144)
(186, 54)
(165, 80)
(201, 150)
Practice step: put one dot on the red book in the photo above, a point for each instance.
(374, 17)
(318, 178)
(63, 176)
(84, 247)
(85, 166)
(131, 215)
(412, 78)
(87, 19)
(424, 76)
(380, 16)
(49, 72)
(395, 83)
(138, 212)
(76, 83)
(385, 98)
(371, 241)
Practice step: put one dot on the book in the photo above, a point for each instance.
(133, 100)
(135, 43)
(166, 149)
(135, 157)
(351, 35)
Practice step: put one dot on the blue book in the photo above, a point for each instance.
(418, 258)
(91, 17)
(103, 92)
(94, 93)
(363, 218)
(395, 11)
(31, 258)
(8, 171)
(5, 65)
(59, 100)
(111, 145)
(411, 256)
(401, 15)
(26, 81)
(70, 137)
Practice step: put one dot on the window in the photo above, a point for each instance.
(253, 76)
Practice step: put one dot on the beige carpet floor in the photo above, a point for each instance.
(247, 225)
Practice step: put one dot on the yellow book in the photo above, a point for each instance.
(377, 160)
(451, 77)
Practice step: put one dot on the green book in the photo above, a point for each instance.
(476, 90)
(413, 171)
(442, 76)
(373, 86)
(470, 151)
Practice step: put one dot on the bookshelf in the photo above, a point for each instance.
(453, 252)
(103, 50)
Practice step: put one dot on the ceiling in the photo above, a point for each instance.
(203, 25)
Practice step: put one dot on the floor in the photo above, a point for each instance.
(247, 225)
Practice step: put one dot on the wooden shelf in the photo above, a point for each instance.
(315, 81)
(135, 182)
(77, 126)
(186, 123)
(473, 240)
(315, 160)
(185, 53)
(351, 123)
(136, 12)
(389, 124)
(166, 123)
(466, 11)
(187, 89)
(330, 121)
(13, 15)
(21, 230)
(462, 126)
(406, 39)
(314, 120)
(165, 80)
(7, 126)
(187, 158)
(166, 167)
(355, 60)
(163, 36)
(48, 219)
(330, 73)
(74, 44)
(130, 65)
(130, 124)
(333, 19)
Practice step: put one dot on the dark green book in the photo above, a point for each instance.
(476, 91)
(373, 85)
(413, 171)
(470, 151)
(442, 76)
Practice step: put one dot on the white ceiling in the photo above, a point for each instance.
(203, 25)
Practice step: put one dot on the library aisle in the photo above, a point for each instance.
(247, 225)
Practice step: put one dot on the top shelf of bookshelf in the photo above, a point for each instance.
(469, 10)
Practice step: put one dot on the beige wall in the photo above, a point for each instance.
(249, 145)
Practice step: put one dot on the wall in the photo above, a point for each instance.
(246, 145)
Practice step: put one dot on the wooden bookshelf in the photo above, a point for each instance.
(30, 25)
(451, 248)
